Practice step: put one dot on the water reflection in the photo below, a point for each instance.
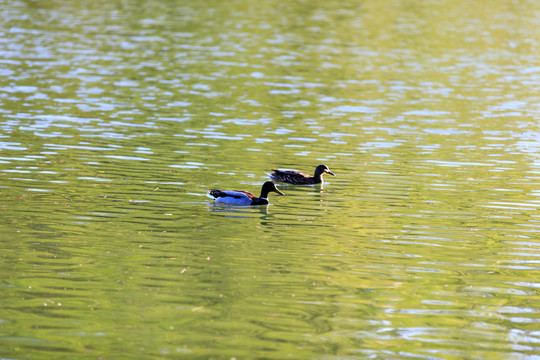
(116, 118)
(238, 211)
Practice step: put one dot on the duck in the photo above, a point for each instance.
(300, 178)
(239, 197)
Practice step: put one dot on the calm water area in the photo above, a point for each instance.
(117, 116)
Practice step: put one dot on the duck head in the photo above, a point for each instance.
(323, 169)
(269, 187)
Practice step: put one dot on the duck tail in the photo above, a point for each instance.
(271, 176)
(213, 194)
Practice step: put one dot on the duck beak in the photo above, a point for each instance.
(329, 172)
(279, 192)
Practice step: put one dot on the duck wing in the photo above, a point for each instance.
(231, 197)
(290, 173)
(290, 176)
(236, 194)
(241, 193)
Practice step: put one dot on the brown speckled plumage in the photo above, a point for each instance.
(300, 178)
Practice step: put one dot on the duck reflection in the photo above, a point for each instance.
(237, 211)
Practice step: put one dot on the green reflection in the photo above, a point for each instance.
(118, 116)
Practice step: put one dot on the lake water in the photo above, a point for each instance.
(118, 116)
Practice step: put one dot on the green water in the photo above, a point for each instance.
(117, 116)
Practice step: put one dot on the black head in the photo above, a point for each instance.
(323, 169)
(269, 187)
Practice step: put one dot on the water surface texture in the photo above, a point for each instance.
(117, 116)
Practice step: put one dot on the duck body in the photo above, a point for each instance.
(243, 198)
(300, 178)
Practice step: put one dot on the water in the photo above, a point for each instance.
(118, 116)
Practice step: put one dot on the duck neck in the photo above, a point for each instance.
(262, 199)
(264, 194)
(318, 176)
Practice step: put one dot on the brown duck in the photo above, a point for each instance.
(300, 178)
